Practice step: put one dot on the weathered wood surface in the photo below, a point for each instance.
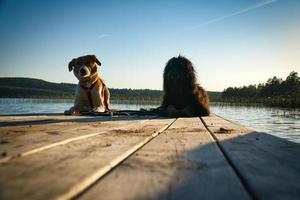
(21, 136)
(269, 166)
(67, 169)
(181, 163)
(63, 157)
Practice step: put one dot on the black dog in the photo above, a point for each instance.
(183, 96)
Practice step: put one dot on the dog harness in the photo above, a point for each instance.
(89, 92)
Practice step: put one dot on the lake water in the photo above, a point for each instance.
(284, 123)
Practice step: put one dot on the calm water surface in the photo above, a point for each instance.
(284, 123)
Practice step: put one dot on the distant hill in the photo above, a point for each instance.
(36, 88)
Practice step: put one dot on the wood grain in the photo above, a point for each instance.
(269, 166)
(16, 141)
(57, 172)
(181, 163)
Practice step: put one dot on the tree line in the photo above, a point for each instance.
(36, 88)
(275, 92)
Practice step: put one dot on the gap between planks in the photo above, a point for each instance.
(77, 189)
(183, 162)
(63, 142)
(269, 165)
(229, 161)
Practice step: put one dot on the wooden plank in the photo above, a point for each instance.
(181, 163)
(269, 166)
(36, 119)
(19, 141)
(66, 170)
(41, 120)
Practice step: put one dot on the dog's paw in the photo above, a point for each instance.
(71, 111)
(171, 111)
(67, 112)
(98, 109)
(187, 112)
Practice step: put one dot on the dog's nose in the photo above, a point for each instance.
(83, 71)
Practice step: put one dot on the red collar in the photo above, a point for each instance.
(91, 87)
(89, 93)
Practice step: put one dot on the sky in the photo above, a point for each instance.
(230, 42)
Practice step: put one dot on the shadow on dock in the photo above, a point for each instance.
(185, 161)
(262, 166)
(60, 118)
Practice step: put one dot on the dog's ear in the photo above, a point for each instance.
(71, 64)
(94, 58)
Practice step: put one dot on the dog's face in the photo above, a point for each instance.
(183, 96)
(84, 66)
(179, 73)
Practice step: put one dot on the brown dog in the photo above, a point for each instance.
(91, 92)
(183, 97)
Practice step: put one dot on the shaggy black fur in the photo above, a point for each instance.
(183, 96)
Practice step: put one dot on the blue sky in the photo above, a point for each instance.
(230, 42)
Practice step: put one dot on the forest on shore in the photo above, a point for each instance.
(36, 88)
(275, 92)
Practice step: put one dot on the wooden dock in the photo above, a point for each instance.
(143, 157)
